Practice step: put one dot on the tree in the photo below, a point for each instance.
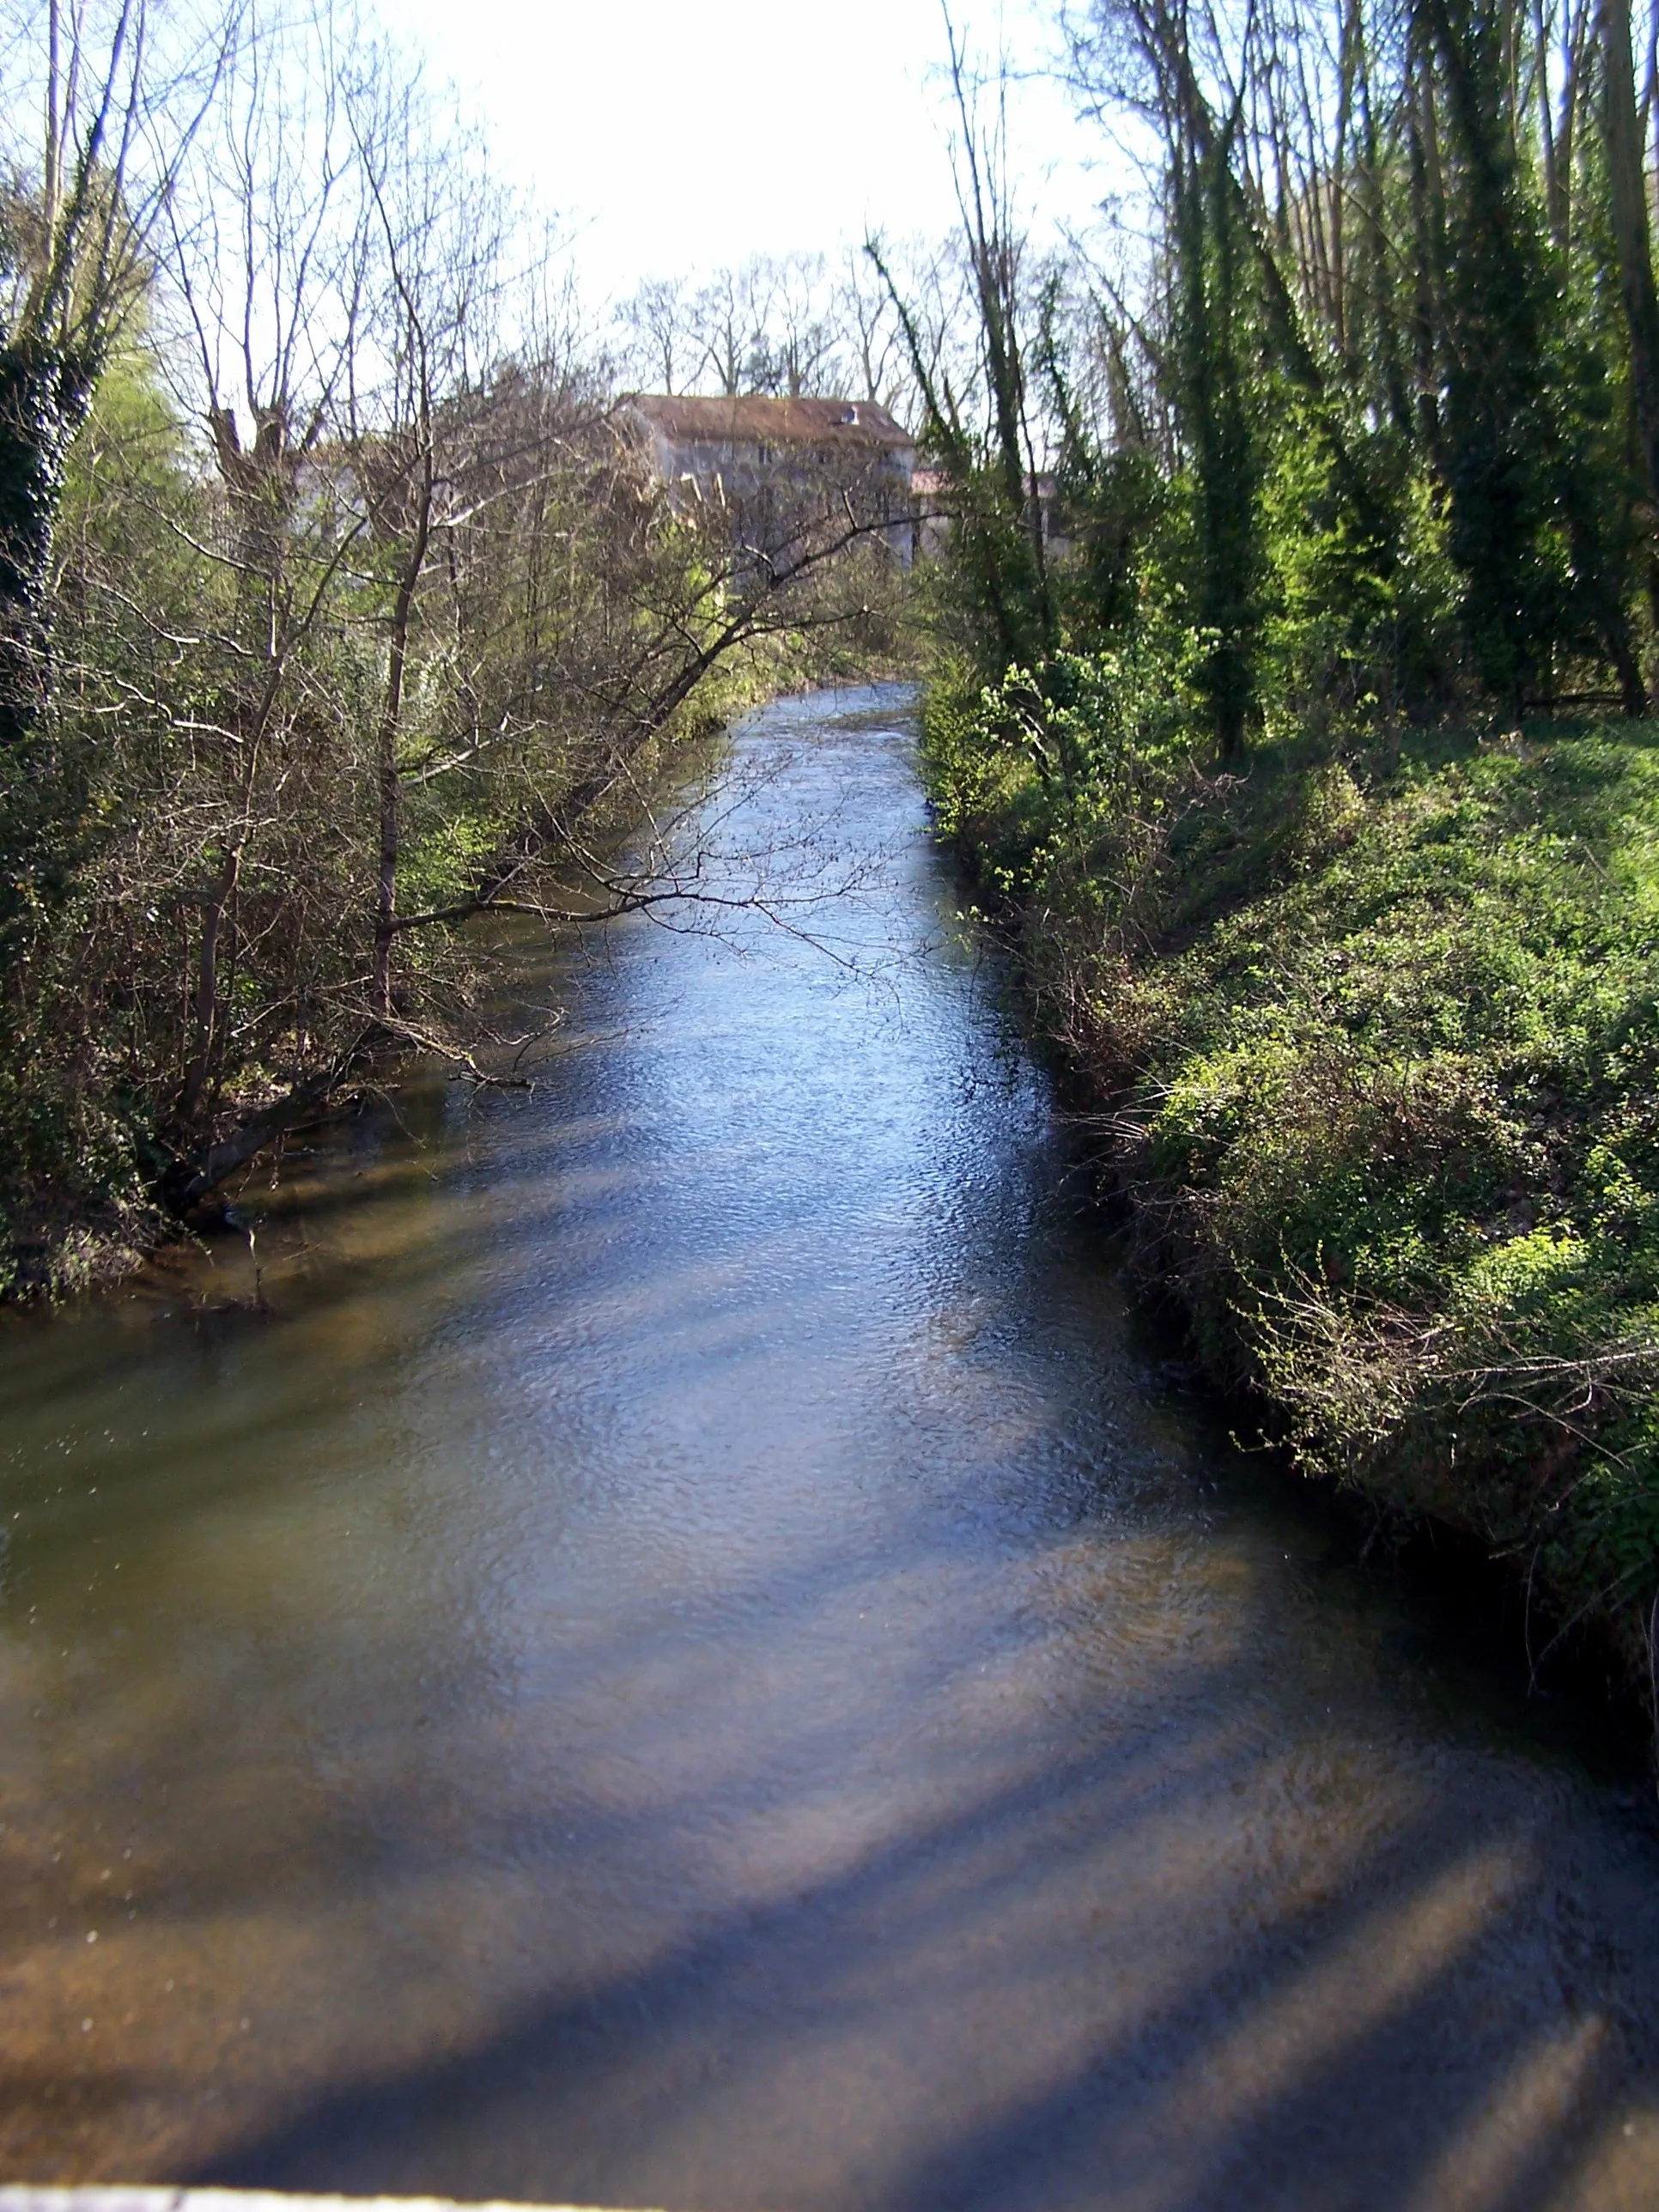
(1628, 204)
(661, 350)
(117, 114)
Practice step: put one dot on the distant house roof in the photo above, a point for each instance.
(774, 421)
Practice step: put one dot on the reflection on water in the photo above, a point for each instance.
(683, 1664)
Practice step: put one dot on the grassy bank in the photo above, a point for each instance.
(1375, 1033)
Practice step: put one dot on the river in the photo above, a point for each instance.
(690, 1657)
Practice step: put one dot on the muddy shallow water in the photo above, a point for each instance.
(687, 1660)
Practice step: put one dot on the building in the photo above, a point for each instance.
(930, 493)
(781, 469)
(935, 517)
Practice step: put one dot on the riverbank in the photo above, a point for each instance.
(102, 1178)
(1372, 1037)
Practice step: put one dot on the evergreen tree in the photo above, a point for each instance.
(1215, 339)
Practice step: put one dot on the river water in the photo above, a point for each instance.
(685, 1658)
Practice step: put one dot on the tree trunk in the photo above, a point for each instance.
(386, 920)
(1628, 195)
(1428, 220)
(198, 1074)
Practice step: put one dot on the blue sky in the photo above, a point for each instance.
(674, 138)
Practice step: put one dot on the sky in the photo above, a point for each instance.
(673, 139)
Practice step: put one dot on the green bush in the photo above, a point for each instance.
(1380, 1027)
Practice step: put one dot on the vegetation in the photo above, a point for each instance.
(1302, 542)
(337, 605)
(1291, 644)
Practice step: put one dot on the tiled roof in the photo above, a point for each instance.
(773, 422)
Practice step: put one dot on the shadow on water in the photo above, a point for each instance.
(685, 1664)
(1456, 1617)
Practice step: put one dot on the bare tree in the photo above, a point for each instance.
(662, 348)
(440, 239)
(798, 344)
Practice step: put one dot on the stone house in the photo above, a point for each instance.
(780, 468)
(930, 493)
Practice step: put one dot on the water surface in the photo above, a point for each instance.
(685, 1661)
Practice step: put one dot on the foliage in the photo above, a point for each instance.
(1379, 1024)
(339, 607)
(1351, 480)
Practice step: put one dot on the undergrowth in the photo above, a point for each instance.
(1375, 1025)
